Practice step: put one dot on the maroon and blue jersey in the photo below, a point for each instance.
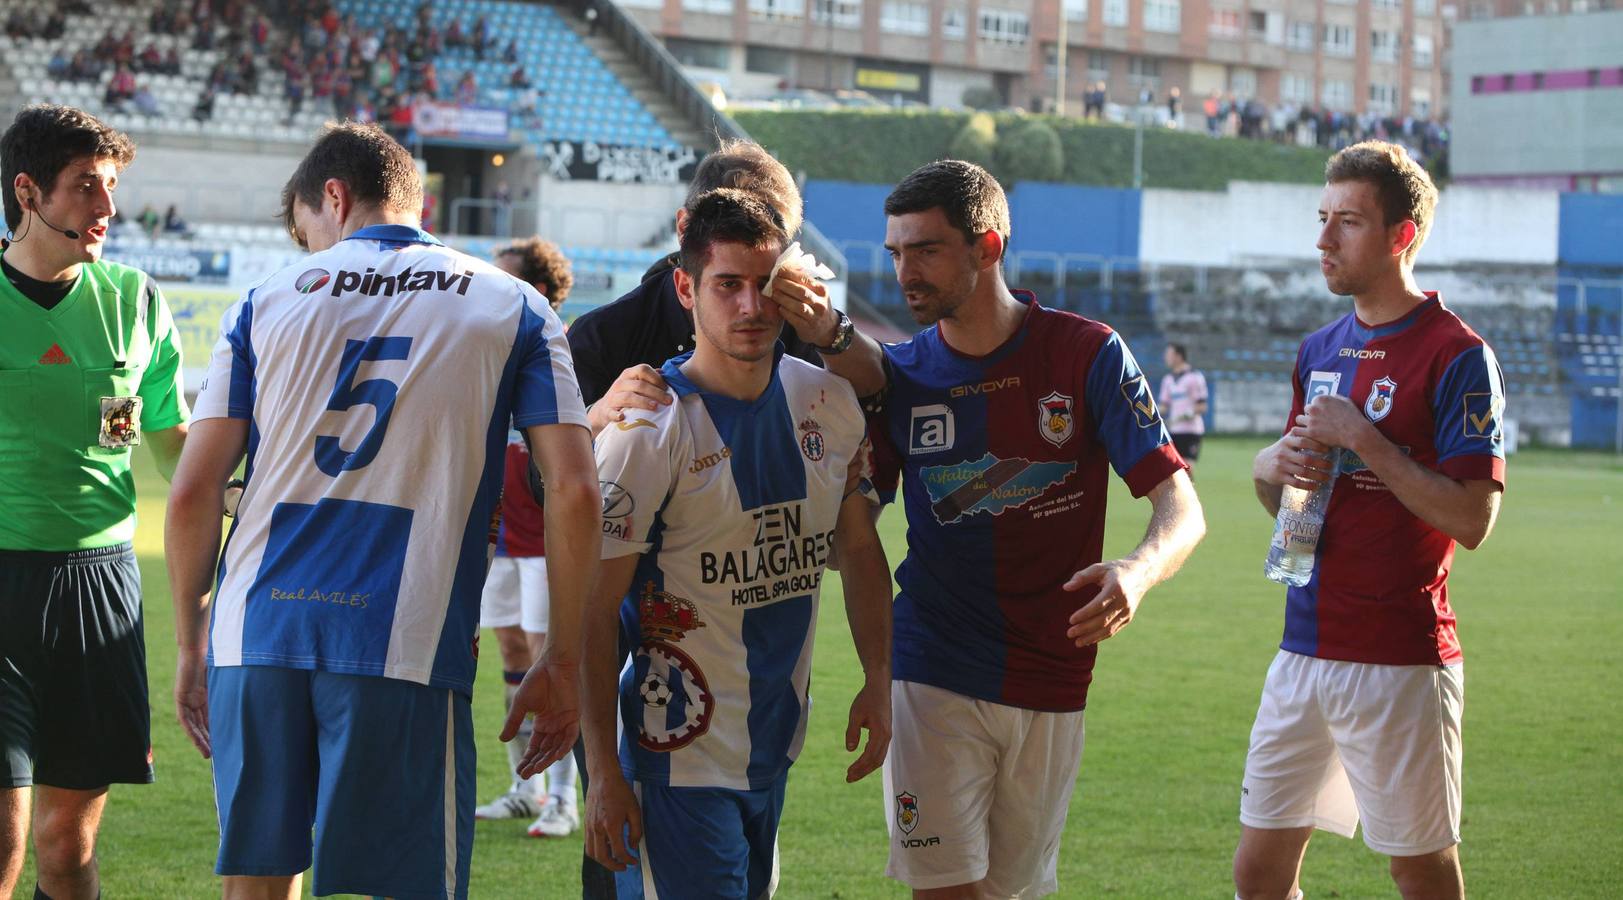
(1379, 590)
(1005, 458)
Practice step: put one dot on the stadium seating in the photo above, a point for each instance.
(580, 98)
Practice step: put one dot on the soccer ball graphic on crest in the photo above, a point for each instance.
(655, 692)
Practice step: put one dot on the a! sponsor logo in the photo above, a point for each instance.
(1378, 405)
(312, 280)
(1321, 383)
(1055, 421)
(931, 429)
(907, 812)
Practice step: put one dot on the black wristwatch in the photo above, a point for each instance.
(844, 332)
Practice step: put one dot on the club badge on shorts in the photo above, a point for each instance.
(119, 418)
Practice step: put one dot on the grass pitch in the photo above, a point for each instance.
(1154, 814)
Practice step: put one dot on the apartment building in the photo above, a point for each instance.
(1352, 56)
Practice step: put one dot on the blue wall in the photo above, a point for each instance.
(1591, 230)
(1045, 218)
(1069, 218)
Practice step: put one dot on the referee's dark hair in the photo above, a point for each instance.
(747, 166)
(542, 266)
(732, 216)
(971, 199)
(373, 165)
(44, 138)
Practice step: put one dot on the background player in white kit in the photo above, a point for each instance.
(722, 509)
(514, 603)
(371, 386)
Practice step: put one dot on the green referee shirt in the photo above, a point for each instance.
(69, 377)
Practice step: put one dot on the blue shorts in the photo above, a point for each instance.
(382, 769)
(711, 843)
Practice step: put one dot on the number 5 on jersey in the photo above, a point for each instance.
(380, 393)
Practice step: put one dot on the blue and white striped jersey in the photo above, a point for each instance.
(378, 378)
(732, 506)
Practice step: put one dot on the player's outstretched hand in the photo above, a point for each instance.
(613, 821)
(192, 698)
(550, 690)
(1120, 591)
(805, 305)
(639, 387)
(870, 710)
(1294, 460)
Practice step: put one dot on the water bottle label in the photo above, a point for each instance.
(1299, 533)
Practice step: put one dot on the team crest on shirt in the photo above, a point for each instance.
(1054, 418)
(1378, 405)
(676, 699)
(907, 812)
(118, 417)
(811, 439)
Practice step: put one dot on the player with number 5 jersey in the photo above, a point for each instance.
(371, 387)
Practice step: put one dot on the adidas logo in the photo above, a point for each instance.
(55, 357)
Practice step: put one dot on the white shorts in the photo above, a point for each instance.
(975, 789)
(515, 594)
(1338, 741)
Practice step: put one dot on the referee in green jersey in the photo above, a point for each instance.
(89, 368)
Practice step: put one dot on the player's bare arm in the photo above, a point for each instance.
(611, 806)
(806, 306)
(1463, 510)
(166, 444)
(191, 538)
(639, 387)
(573, 512)
(1294, 460)
(866, 579)
(1176, 526)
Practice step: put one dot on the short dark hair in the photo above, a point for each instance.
(967, 194)
(44, 138)
(747, 166)
(1181, 350)
(377, 170)
(731, 215)
(543, 266)
(1402, 186)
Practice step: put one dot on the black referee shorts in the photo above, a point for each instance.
(73, 673)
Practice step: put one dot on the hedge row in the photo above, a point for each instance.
(882, 146)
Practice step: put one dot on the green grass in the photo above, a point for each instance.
(1171, 708)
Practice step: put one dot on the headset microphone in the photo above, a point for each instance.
(69, 233)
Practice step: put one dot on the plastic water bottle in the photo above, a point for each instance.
(1296, 530)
